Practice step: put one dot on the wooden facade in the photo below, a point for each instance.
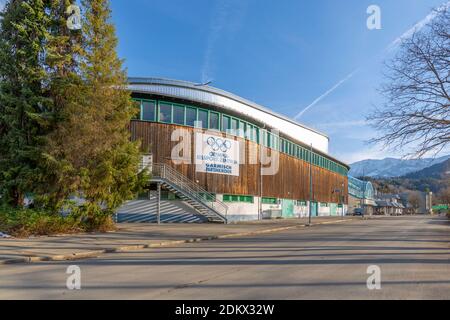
(290, 182)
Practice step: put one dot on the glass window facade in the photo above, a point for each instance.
(148, 110)
(191, 116)
(214, 121)
(234, 125)
(226, 123)
(178, 114)
(165, 112)
(203, 118)
(187, 115)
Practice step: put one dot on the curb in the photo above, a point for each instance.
(96, 253)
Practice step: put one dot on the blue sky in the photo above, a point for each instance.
(280, 54)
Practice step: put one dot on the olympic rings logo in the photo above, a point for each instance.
(219, 144)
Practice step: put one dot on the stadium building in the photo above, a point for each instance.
(217, 157)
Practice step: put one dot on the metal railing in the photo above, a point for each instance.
(189, 187)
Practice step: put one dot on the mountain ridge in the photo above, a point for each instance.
(392, 167)
(436, 171)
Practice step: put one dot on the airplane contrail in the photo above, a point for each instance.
(418, 26)
(409, 33)
(337, 85)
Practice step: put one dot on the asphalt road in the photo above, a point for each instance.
(321, 262)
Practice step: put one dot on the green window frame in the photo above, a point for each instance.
(267, 200)
(234, 125)
(242, 128)
(248, 132)
(178, 114)
(203, 116)
(230, 198)
(275, 141)
(145, 115)
(238, 198)
(165, 112)
(255, 134)
(226, 123)
(214, 121)
(268, 140)
(190, 116)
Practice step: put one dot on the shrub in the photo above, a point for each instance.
(24, 222)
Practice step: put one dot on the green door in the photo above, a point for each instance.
(314, 207)
(287, 208)
(333, 209)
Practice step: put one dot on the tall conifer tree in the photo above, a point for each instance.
(92, 145)
(63, 50)
(23, 33)
(64, 108)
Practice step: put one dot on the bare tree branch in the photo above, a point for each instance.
(416, 113)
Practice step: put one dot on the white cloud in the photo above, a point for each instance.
(2, 4)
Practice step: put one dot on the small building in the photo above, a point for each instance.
(390, 204)
(361, 196)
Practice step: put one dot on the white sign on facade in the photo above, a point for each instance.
(215, 154)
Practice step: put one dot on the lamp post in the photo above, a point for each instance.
(341, 198)
(310, 185)
(261, 138)
(364, 195)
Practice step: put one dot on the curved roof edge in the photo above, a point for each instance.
(211, 90)
(206, 88)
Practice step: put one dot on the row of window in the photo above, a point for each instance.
(266, 200)
(269, 200)
(299, 203)
(167, 195)
(173, 113)
(236, 198)
(283, 145)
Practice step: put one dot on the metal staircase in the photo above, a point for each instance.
(204, 202)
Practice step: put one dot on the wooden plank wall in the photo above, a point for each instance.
(290, 182)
